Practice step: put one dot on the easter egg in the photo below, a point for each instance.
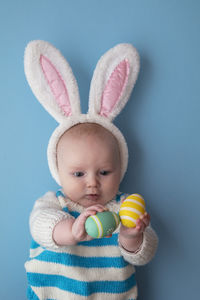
(131, 209)
(102, 224)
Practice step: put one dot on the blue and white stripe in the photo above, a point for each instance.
(83, 288)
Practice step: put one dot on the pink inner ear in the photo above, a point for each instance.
(114, 88)
(56, 84)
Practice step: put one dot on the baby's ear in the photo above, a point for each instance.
(51, 80)
(113, 80)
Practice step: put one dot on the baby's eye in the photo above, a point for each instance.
(78, 174)
(104, 172)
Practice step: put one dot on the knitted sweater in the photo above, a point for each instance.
(97, 269)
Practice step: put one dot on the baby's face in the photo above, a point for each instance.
(89, 168)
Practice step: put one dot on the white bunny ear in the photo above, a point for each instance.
(113, 80)
(51, 80)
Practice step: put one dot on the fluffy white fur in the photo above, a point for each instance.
(38, 83)
(104, 69)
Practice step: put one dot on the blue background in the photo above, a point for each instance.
(161, 123)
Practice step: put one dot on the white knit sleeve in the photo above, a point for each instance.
(147, 249)
(46, 213)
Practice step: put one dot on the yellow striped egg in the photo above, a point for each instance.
(131, 209)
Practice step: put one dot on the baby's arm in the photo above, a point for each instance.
(138, 245)
(46, 213)
(71, 231)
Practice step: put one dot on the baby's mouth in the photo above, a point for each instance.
(92, 197)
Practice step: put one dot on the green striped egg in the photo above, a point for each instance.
(102, 224)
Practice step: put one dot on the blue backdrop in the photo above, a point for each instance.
(161, 123)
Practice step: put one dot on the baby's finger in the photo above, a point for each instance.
(88, 238)
(80, 221)
(140, 226)
(92, 210)
(145, 218)
(89, 213)
(97, 208)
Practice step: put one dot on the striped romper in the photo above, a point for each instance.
(96, 269)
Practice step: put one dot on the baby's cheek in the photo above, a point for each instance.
(115, 185)
(112, 191)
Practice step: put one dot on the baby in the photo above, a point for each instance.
(88, 157)
(89, 171)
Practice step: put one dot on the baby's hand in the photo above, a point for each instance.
(141, 224)
(78, 227)
(131, 238)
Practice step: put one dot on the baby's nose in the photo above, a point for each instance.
(92, 180)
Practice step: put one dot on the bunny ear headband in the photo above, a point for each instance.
(54, 85)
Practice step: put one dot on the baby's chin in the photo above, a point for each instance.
(87, 202)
